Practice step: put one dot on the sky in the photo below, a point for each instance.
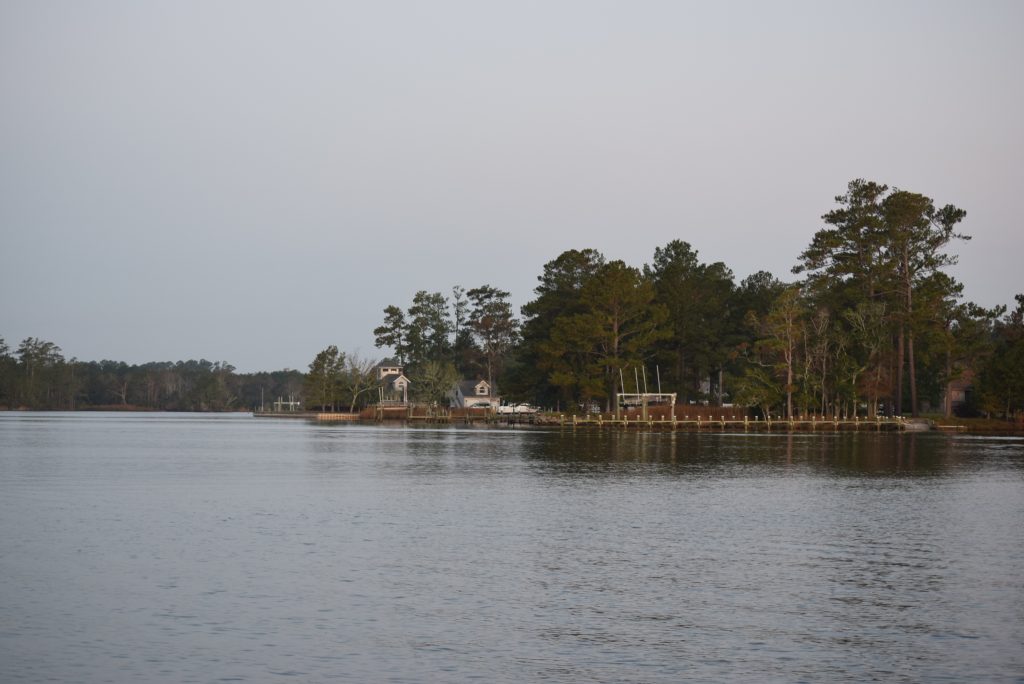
(250, 181)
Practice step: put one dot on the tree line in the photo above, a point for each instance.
(437, 340)
(36, 375)
(871, 324)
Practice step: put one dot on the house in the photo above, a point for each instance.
(388, 367)
(394, 386)
(474, 394)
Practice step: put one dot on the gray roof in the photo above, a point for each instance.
(468, 388)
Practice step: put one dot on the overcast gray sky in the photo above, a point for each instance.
(252, 181)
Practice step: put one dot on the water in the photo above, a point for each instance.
(198, 548)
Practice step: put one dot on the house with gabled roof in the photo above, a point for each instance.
(394, 386)
(474, 394)
(388, 366)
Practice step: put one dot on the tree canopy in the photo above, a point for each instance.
(874, 324)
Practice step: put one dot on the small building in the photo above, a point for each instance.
(388, 367)
(394, 386)
(474, 394)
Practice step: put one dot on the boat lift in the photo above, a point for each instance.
(645, 399)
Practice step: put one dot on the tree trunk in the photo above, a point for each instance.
(824, 378)
(910, 347)
(899, 372)
(873, 410)
(948, 403)
(612, 397)
(681, 375)
(913, 378)
(789, 390)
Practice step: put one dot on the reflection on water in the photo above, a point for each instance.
(217, 548)
(844, 454)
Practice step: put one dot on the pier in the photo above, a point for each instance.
(694, 420)
(426, 414)
(726, 423)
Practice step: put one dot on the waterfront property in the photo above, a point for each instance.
(474, 394)
(394, 386)
(680, 418)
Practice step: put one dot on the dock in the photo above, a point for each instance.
(337, 417)
(727, 423)
(703, 421)
(424, 414)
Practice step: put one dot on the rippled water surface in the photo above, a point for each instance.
(192, 548)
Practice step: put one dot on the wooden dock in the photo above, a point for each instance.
(427, 415)
(295, 415)
(688, 418)
(745, 424)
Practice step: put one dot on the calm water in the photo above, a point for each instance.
(194, 548)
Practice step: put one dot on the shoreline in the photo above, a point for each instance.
(980, 427)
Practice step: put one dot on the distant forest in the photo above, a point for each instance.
(37, 376)
(871, 323)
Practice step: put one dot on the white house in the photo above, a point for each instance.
(394, 386)
(474, 394)
(388, 367)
